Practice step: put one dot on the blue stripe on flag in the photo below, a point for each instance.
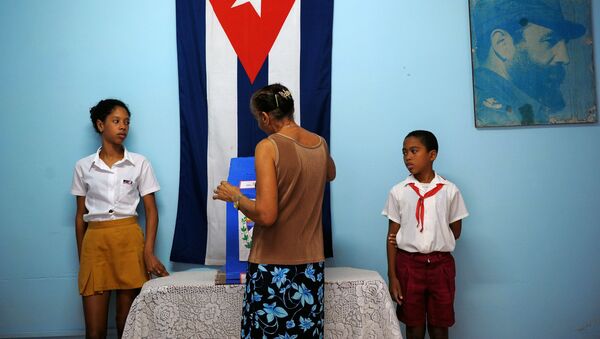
(316, 25)
(248, 132)
(189, 240)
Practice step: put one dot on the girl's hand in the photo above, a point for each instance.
(227, 192)
(154, 266)
(395, 291)
(392, 239)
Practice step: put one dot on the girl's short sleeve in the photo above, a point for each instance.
(147, 181)
(78, 187)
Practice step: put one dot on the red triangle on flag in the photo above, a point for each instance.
(251, 35)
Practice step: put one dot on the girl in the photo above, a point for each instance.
(110, 244)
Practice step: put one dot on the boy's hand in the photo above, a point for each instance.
(392, 239)
(395, 291)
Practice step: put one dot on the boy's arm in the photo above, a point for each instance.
(456, 227)
(394, 287)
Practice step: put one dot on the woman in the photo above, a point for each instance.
(285, 283)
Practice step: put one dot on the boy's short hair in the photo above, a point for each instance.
(427, 138)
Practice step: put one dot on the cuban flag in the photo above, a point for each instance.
(227, 49)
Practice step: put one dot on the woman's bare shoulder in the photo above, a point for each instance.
(308, 138)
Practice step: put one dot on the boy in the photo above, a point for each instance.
(425, 213)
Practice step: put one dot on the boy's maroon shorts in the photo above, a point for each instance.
(427, 284)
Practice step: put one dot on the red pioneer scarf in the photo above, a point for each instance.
(420, 213)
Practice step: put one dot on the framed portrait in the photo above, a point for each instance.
(532, 62)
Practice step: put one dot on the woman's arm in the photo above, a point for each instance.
(263, 210)
(330, 164)
(80, 225)
(153, 265)
(331, 172)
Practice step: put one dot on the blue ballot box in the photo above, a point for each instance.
(239, 227)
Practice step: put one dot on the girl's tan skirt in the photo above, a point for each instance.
(112, 257)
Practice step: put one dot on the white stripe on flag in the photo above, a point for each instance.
(284, 57)
(221, 85)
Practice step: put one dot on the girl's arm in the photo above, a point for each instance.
(263, 210)
(456, 227)
(395, 291)
(80, 225)
(153, 265)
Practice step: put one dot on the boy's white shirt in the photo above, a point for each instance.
(113, 193)
(441, 209)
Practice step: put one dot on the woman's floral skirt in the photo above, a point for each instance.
(283, 301)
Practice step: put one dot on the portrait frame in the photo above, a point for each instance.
(532, 62)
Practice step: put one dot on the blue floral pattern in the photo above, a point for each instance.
(283, 301)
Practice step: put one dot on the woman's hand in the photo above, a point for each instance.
(392, 239)
(227, 192)
(154, 266)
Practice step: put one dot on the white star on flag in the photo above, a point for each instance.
(255, 4)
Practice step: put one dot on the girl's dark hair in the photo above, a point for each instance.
(427, 138)
(103, 109)
(274, 99)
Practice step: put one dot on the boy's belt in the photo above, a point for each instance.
(425, 257)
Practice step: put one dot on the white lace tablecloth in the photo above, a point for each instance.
(190, 305)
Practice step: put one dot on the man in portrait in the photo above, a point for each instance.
(521, 51)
